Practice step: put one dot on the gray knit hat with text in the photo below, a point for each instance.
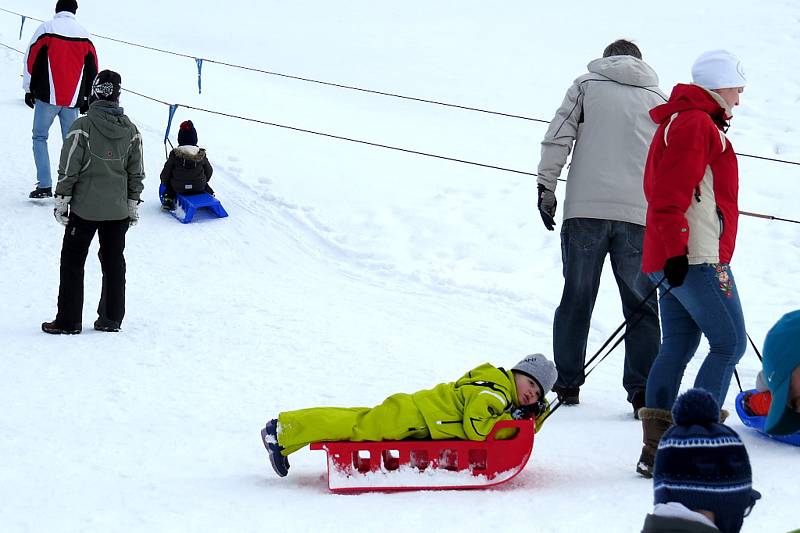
(540, 368)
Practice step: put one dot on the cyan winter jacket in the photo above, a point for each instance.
(101, 163)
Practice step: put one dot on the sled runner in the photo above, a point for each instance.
(428, 464)
(757, 422)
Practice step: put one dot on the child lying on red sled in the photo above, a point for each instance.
(465, 409)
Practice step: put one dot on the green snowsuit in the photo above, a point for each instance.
(466, 409)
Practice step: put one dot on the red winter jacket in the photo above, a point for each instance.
(691, 182)
(61, 62)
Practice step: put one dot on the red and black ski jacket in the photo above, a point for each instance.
(691, 182)
(61, 62)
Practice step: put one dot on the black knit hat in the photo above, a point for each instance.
(703, 464)
(187, 134)
(106, 86)
(67, 5)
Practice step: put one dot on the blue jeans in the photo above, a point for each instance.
(44, 114)
(707, 303)
(585, 242)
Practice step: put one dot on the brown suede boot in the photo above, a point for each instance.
(654, 423)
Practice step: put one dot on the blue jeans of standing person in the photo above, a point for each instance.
(44, 114)
(707, 303)
(585, 242)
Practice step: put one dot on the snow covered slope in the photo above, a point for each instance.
(347, 272)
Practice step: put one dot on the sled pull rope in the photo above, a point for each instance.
(735, 373)
(754, 347)
(639, 316)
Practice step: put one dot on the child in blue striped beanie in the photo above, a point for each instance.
(702, 479)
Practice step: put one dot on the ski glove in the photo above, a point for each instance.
(547, 207)
(84, 107)
(525, 412)
(675, 270)
(133, 213)
(29, 100)
(61, 210)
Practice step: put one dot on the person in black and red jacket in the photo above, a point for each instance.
(60, 65)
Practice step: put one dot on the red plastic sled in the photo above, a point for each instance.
(428, 464)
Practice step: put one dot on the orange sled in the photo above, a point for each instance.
(428, 464)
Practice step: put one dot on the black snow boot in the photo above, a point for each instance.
(105, 324)
(568, 395)
(269, 436)
(655, 422)
(41, 192)
(54, 328)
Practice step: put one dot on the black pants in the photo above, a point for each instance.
(77, 238)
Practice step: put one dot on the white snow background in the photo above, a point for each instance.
(346, 272)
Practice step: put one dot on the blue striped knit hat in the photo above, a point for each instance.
(703, 464)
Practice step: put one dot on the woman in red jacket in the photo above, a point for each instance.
(691, 183)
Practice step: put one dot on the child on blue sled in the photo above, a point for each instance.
(187, 170)
(465, 409)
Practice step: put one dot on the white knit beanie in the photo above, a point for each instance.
(718, 69)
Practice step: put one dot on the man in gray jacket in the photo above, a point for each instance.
(99, 184)
(605, 115)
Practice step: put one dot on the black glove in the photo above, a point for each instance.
(84, 107)
(547, 206)
(525, 412)
(29, 100)
(675, 270)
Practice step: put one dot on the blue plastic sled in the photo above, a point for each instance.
(187, 206)
(757, 422)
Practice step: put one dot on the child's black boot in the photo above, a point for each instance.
(269, 436)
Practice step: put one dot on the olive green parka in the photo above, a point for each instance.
(101, 164)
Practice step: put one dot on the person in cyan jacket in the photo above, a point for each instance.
(187, 170)
(604, 117)
(99, 185)
(60, 65)
(465, 409)
(691, 182)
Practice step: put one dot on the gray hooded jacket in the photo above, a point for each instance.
(605, 114)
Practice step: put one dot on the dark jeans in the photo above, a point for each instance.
(77, 238)
(707, 303)
(585, 242)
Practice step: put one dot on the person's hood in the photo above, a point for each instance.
(686, 96)
(627, 70)
(109, 118)
(190, 152)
